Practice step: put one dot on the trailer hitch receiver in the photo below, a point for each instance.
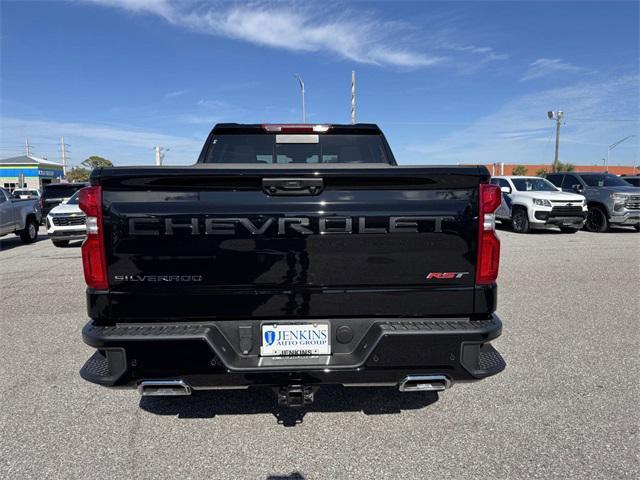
(295, 395)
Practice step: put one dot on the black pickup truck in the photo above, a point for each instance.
(288, 257)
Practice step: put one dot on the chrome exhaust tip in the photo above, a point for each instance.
(424, 383)
(163, 388)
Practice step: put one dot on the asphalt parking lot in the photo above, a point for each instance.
(566, 407)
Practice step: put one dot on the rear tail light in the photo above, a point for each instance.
(488, 242)
(94, 258)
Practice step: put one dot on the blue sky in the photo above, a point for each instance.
(448, 82)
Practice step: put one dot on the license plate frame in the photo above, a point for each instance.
(299, 339)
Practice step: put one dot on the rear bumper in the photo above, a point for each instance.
(224, 354)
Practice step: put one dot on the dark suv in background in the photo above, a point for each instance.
(611, 200)
(56, 193)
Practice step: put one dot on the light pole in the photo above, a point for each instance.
(611, 147)
(304, 117)
(557, 116)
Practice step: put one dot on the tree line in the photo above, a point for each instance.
(559, 167)
(82, 172)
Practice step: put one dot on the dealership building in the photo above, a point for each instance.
(507, 168)
(32, 172)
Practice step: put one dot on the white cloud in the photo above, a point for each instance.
(350, 34)
(158, 7)
(486, 54)
(123, 144)
(596, 114)
(543, 67)
(122, 135)
(212, 103)
(177, 93)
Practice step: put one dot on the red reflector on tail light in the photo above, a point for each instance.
(94, 259)
(488, 258)
(488, 242)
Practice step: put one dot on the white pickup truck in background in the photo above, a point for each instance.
(534, 202)
(21, 217)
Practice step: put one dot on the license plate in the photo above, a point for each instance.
(298, 339)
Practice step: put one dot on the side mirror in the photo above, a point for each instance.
(505, 189)
(578, 188)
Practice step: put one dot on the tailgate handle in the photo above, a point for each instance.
(292, 186)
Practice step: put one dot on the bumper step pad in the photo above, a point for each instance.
(482, 361)
(491, 361)
(105, 367)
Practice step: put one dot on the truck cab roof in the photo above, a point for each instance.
(300, 128)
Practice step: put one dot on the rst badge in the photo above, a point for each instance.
(446, 275)
(295, 339)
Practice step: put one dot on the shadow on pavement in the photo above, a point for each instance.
(329, 398)
(72, 244)
(291, 476)
(11, 241)
(621, 230)
(556, 231)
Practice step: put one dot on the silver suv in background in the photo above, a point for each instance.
(611, 200)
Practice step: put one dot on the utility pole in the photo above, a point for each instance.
(557, 116)
(27, 147)
(304, 116)
(353, 96)
(63, 151)
(160, 152)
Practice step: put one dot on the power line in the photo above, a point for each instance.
(548, 142)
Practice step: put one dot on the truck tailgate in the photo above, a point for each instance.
(203, 243)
